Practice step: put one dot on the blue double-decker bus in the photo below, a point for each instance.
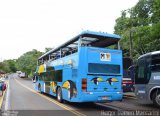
(87, 68)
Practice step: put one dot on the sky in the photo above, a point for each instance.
(37, 24)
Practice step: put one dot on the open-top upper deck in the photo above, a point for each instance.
(86, 38)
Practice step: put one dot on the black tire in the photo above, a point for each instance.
(39, 88)
(156, 98)
(59, 95)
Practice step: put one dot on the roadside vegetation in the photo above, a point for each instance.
(25, 63)
(139, 28)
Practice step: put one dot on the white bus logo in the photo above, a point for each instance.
(105, 56)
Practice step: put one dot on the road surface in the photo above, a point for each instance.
(22, 100)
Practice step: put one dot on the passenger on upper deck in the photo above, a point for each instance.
(89, 45)
(58, 55)
(74, 50)
(83, 44)
(64, 53)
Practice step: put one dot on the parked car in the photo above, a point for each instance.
(127, 81)
(21, 74)
(127, 85)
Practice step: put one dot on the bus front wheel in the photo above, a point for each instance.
(59, 95)
(156, 98)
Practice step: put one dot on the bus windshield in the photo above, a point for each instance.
(143, 70)
(155, 63)
(145, 67)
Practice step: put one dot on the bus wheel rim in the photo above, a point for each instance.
(59, 96)
(158, 99)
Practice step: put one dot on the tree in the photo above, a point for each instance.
(28, 61)
(48, 49)
(155, 17)
(11, 65)
(140, 25)
(8, 66)
(2, 67)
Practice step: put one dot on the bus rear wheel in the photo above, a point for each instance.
(59, 95)
(39, 88)
(156, 98)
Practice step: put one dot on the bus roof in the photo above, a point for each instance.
(112, 38)
(150, 53)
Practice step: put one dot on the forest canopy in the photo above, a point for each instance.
(139, 28)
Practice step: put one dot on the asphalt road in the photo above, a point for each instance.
(21, 99)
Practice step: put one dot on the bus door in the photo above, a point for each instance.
(142, 77)
(47, 87)
(47, 80)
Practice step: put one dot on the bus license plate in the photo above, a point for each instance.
(104, 98)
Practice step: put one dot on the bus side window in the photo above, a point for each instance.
(58, 76)
(141, 72)
(82, 44)
(63, 54)
(57, 56)
(74, 50)
(52, 75)
(41, 77)
(67, 53)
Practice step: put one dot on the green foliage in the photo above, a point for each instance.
(142, 24)
(8, 66)
(156, 11)
(2, 67)
(48, 49)
(25, 63)
(28, 61)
